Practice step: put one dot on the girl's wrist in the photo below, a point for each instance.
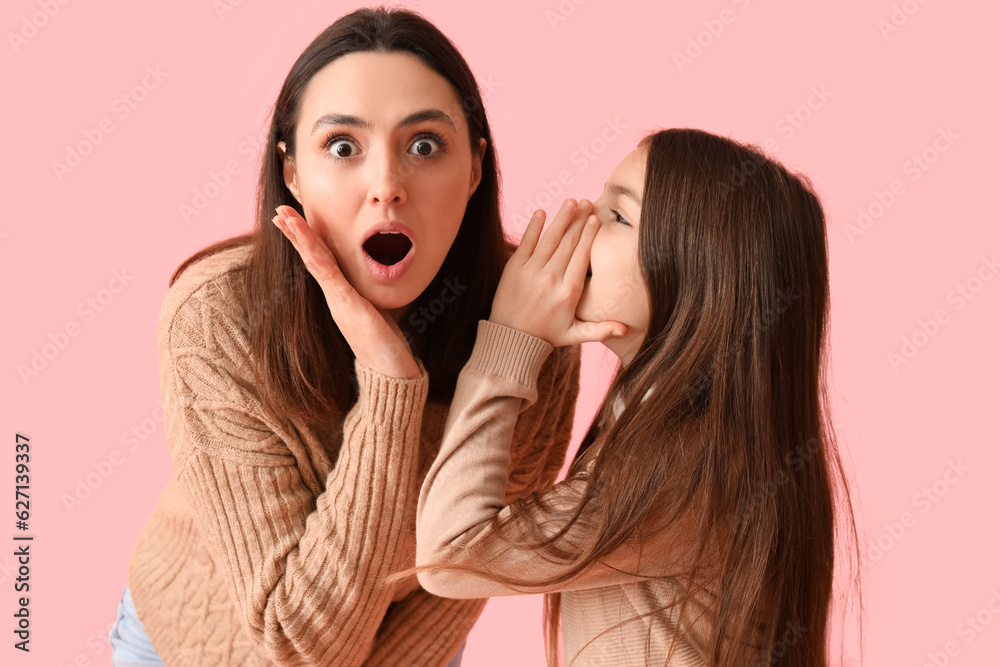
(508, 352)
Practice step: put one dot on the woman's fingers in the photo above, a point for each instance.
(373, 335)
(316, 256)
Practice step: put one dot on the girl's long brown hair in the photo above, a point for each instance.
(303, 365)
(725, 435)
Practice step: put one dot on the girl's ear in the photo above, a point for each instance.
(477, 167)
(288, 169)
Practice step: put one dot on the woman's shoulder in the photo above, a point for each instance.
(206, 296)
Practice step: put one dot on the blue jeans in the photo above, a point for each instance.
(130, 646)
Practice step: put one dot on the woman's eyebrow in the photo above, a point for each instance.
(413, 119)
(340, 119)
(428, 115)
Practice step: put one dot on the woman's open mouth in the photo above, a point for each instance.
(388, 250)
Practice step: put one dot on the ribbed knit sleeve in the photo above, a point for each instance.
(465, 489)
(305, 571)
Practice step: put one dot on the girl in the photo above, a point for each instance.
(696, 526)
(299, 422)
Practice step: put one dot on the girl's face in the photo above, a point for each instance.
(383, 169)
(615, 289)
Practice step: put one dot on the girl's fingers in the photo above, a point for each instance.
(553, 235)
(595, 332)
(530, 237)
(570, 239)
(576, 269)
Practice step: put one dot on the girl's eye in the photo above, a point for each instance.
(617, 217)
(427, 146)
(342, 148)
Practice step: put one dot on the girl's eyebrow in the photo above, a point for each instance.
(354, 121)
(618, 189)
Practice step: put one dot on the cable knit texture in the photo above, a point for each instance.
(619, 612)
(272, 540)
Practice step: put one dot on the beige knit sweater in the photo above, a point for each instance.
(610, 613)
(271, 541)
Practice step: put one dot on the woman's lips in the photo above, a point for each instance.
(387, 265)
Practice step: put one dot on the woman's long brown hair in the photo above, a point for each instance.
(725, 435)
(304, 367)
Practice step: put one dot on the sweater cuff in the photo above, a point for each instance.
(508, 353)
(391, 402)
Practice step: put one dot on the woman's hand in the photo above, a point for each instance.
(373, 335)
(543, 280)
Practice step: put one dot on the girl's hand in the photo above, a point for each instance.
(373, 335)
(543, 280)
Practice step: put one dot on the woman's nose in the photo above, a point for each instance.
(388, 179)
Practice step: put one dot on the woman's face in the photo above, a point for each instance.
(383, 170)
(615, 289)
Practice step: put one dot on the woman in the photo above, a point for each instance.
(696, 526)
(300, 424)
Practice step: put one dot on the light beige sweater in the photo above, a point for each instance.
(272, 540)
(609, 613)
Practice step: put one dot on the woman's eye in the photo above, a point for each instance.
(425, 147)
(343, 148)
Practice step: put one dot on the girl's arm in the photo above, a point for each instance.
(463, 495)
(424, 628)
(464, 491)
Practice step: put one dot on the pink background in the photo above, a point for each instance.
(555, 74)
